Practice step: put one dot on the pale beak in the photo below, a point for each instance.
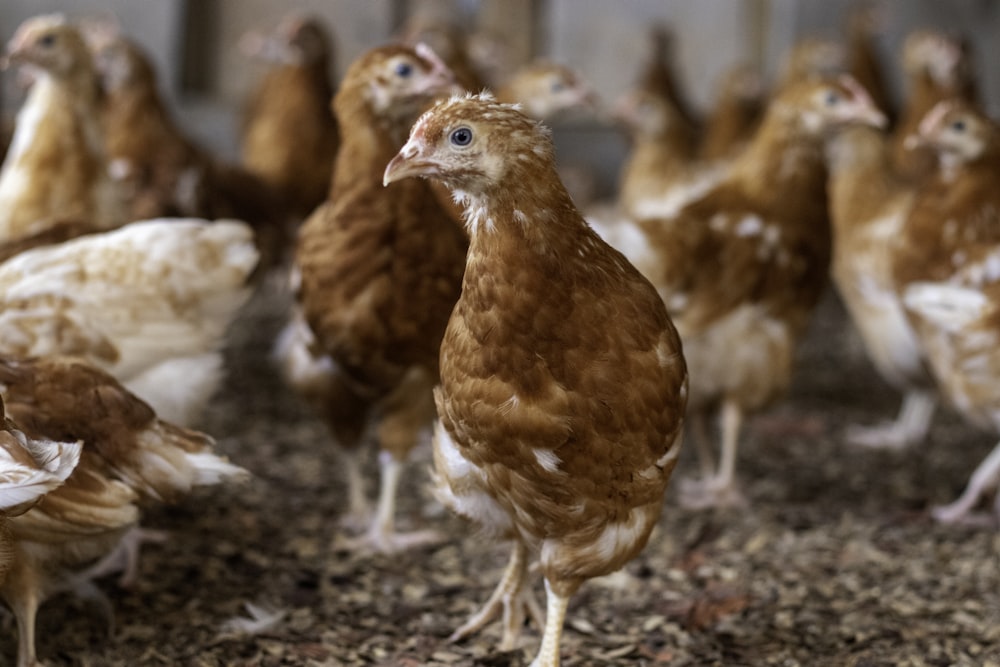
(408, 162)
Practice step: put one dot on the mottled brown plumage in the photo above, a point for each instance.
(948, 272)
(290, 135)
(156, 164)
(936, 67)
(741, 268)
(380, 272)
(129, 458)
(563, 385)
(161, 171)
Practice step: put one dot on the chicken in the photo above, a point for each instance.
(545, 89)
(936, 68)
(659, 164)
(741, 268)
(163, 172)
(55, 169)
(947, 272)
(734, 116)
(869, 202)
(380, 272)
(130, 459)
(155, 163)
(290, 135)
(150, 303)
(557, 430)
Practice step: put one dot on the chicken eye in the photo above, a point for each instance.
(404, 69)
(832, 98)
(47, 40)
(461, 137)
(958, 126)
(557, 86)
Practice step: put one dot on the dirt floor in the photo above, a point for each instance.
(835, 561)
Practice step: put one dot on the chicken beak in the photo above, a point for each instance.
(872, 116)
(441, 79)
(408, 162)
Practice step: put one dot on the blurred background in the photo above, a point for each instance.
(207, 79)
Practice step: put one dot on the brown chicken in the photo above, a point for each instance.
(29, 468)
(156, 164)
(130, 458)
(948, 272)
(869, 203)
(936, 67)
(380, 271)
(563, 386)
(545, 89)
(741, 268)
(55, 169)
(290, 135)
(660, 161)
(162, 171)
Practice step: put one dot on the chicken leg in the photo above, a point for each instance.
(381, 535)
(548, 654)
(511, 598)
(719, 489)
(987, 474)
(909, 427)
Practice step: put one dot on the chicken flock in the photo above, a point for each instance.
(445, 283)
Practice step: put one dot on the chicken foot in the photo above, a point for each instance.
(510, 599)
(986, 475)
(909, 427)
(381, 535)
(124, 558)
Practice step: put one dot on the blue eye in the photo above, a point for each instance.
(958, 126)
(557, 86)
(404, 69)
(47, 40)
(461, 137)
(831, 98)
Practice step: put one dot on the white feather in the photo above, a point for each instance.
(948, 307)
(132, 300)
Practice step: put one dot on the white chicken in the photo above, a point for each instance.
(149, 303)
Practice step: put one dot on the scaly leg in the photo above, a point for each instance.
(984, 476)
(382, 535)
(909, 427)
(25, 607)
(506, 598)
(548, 654)
(719, 489)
